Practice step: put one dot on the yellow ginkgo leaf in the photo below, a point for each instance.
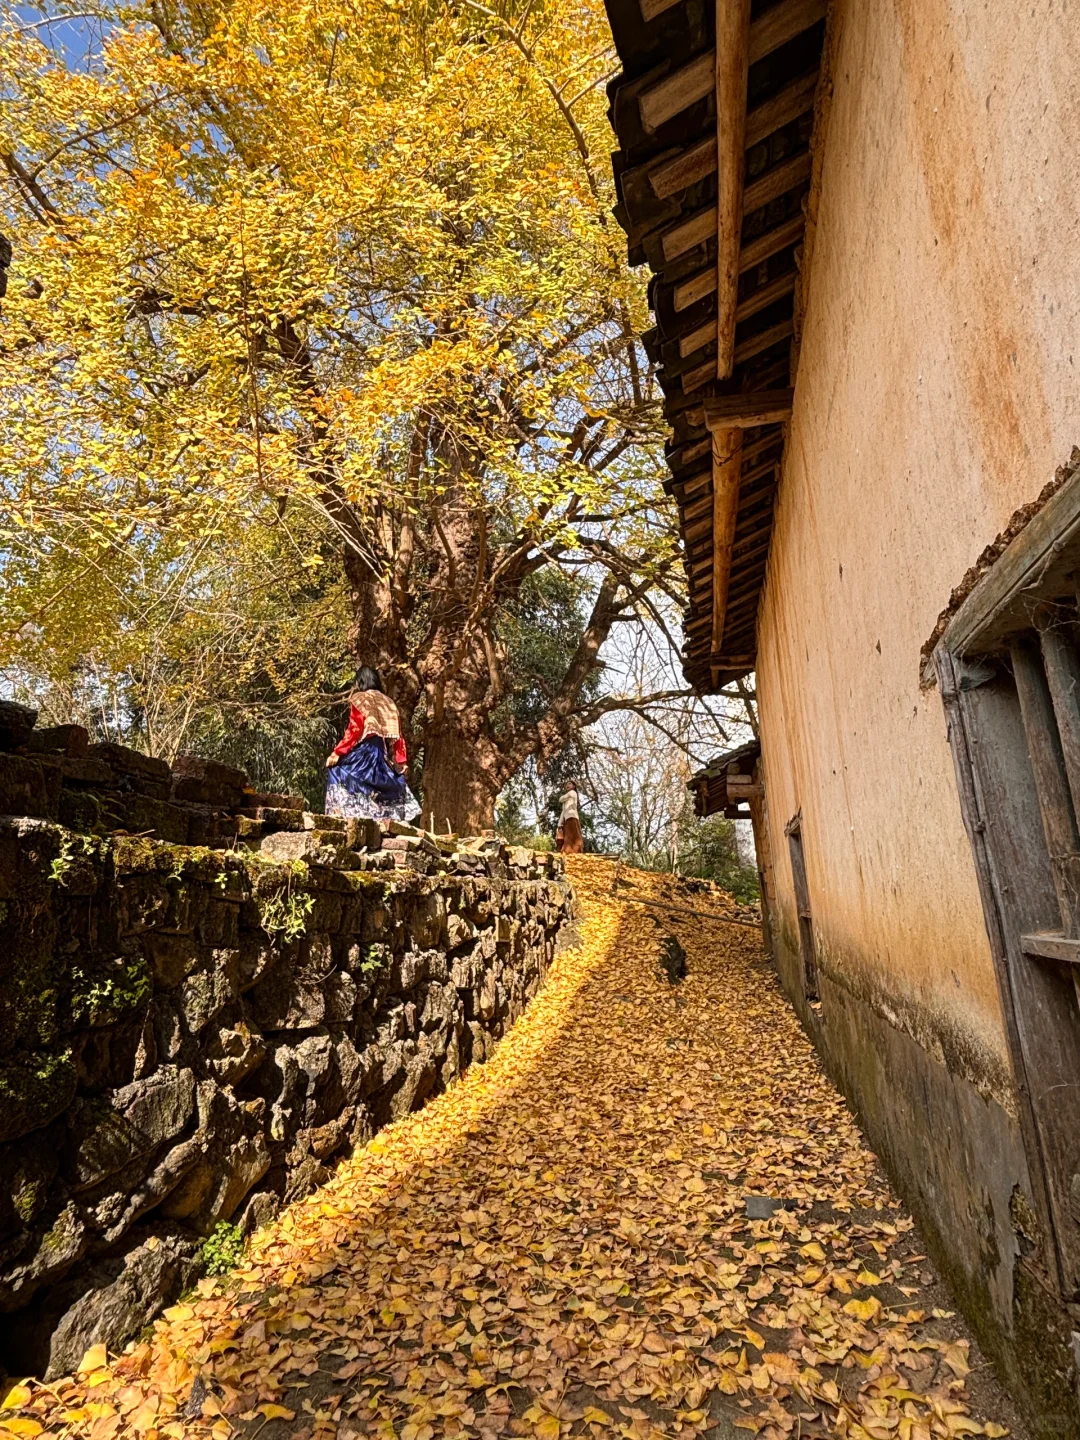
(94, 1359)
(16, 1397)
(276, 1412)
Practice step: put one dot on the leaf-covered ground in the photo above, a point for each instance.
(559, 1246)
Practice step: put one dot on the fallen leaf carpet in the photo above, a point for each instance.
(559, 1245)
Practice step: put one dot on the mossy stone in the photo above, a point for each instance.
(80, 810)
(34, 1089)
(110, 991)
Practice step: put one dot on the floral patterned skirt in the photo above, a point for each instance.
(363, 785)
(361, 805)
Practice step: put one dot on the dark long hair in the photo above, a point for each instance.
(368, 679)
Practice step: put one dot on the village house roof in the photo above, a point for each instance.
(717, 212)
(709, 786)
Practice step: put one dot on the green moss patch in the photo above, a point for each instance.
(34, 1089)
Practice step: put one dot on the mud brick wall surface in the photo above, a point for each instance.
(190, 1036)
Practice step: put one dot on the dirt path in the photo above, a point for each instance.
(560, 1245)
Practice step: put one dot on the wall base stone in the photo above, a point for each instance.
(957, 1159)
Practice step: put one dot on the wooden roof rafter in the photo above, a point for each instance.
(714, 112)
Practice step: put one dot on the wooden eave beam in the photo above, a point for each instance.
(764, 340)
(727, 471)
(781, 24)
(766, 295)
(732, 67)
(780, 109)
(762, 247)
(685, 170)
(667, 97)
(664, 100)
(669, 177)
(745, 412)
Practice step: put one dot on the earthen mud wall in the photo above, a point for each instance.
(936, 393)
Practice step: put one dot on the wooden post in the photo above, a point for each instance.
(732, 63)
(1063, 677)
(726, 470)
(1048, 767)
(759, 822)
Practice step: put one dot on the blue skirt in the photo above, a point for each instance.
(364, 784)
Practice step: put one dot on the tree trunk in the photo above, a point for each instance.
(460, 784)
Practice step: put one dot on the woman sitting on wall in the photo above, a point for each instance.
(367, 769)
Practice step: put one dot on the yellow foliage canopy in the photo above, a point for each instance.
(255, 246)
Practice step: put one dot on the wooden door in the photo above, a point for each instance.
(1008, 668)
(802, 906)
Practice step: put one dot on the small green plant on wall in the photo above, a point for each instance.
(223, 1250)
(72, 847)
(286, 914)
(376, 957)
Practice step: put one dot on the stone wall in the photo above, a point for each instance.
(190, 1035)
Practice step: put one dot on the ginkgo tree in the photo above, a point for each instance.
(338, 282)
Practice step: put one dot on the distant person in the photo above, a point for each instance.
(568, 836)
(367, 769)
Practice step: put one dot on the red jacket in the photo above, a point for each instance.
(355, 733)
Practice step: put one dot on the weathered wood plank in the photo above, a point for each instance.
(698, 528)
(698, 161)
(762, 407)
(689, 453)
(764, 340)
(1037, 566)
(763, 247)
(662, 101)
(694, 231)
(650, 9)
(727, 469)
(701, 375)
(696, 483)
(1063, 678)
(741, 787)
(1048, 767)
(1051, 945)
(767, 295)
(696, 339)
(689, 292)
(774, 183)
(781, 24)
(701, 506)
(685, 170)
(732, 63)
(780, 109)
(999, 804)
